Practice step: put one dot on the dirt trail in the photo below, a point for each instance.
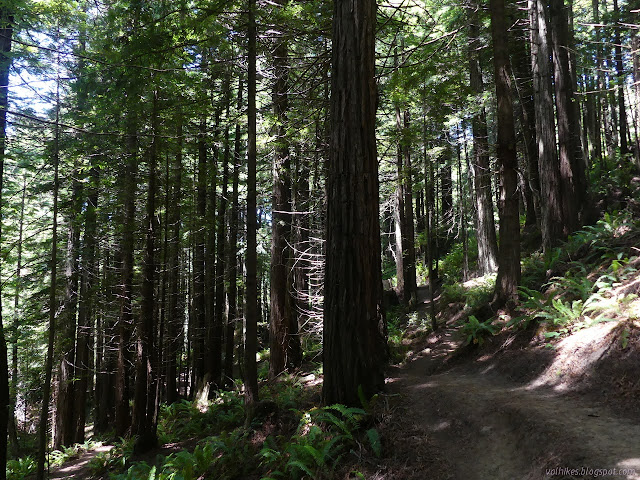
(470, 423)
(78, 467)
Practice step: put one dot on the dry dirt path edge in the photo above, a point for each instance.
(465, 423)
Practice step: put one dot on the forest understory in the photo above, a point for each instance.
(328, 240)
(529, 398)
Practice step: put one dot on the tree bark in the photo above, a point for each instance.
(251, 258)
(213, 354)
(86, 305)
(485, 224)
(620, 84)
(409, 246)
(53, 304)
(572, 176)
(125, 321)
(12, 427)
(281, 339)
(198, 327)
(221, 250)
(354, 335)
(523, 83)
(548, 165)
(232, 260)
(66, 385)
(176, 313)
(144, 421)
(6, 35)
(509, 258)
(635, 47)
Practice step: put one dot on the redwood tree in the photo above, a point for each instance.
(6, 34)
(509, 258)
(354, 320)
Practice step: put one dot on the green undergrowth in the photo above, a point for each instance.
(404, 324)
(290, 437)
(25, 466)
(576, 285)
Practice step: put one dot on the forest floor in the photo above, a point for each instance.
(518, 408)
(78, 467)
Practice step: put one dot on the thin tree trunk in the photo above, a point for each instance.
(485, 224)
(635, 47)
(53, 304)
(12, 427)
(125, 320)
(548, 166)
(198, 327)
(523, 84)
(86, 275)
(232, 261)
(281, 308)
(462, 225)
(66, 388)
(6, 35)
(176, 314)
(301, 263)
(429, 177)
(86, 306)
(399, 208)
(409, 246)
(144, 419)
(572, 176)
(251, 258)
(620, 75)
(221, 247)
(213, 355)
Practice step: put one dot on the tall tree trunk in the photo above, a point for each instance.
(620, 76)
(409, 246)
(144, 419)
(53, 304)
(523, 83)
(86, 305)
(301, 237)
(232, 261)
(213, 355)
(221, 247)
(485, 224)
(429, 177)
(635, 47)
(572, 167)
(281, 311)
(399, 208)
(509, 258)
(251, 257)
(462, 225)
(6, 35)
(198, 327)
(548, 166)
(15, 334)
(66, 388)
(125, 320)
(354, 337)
(106, 350)
(446, 191)
(87, 271)
(176, 314)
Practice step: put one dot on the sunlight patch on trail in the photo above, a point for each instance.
(575, 356)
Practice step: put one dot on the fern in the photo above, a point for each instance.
(374, 441)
